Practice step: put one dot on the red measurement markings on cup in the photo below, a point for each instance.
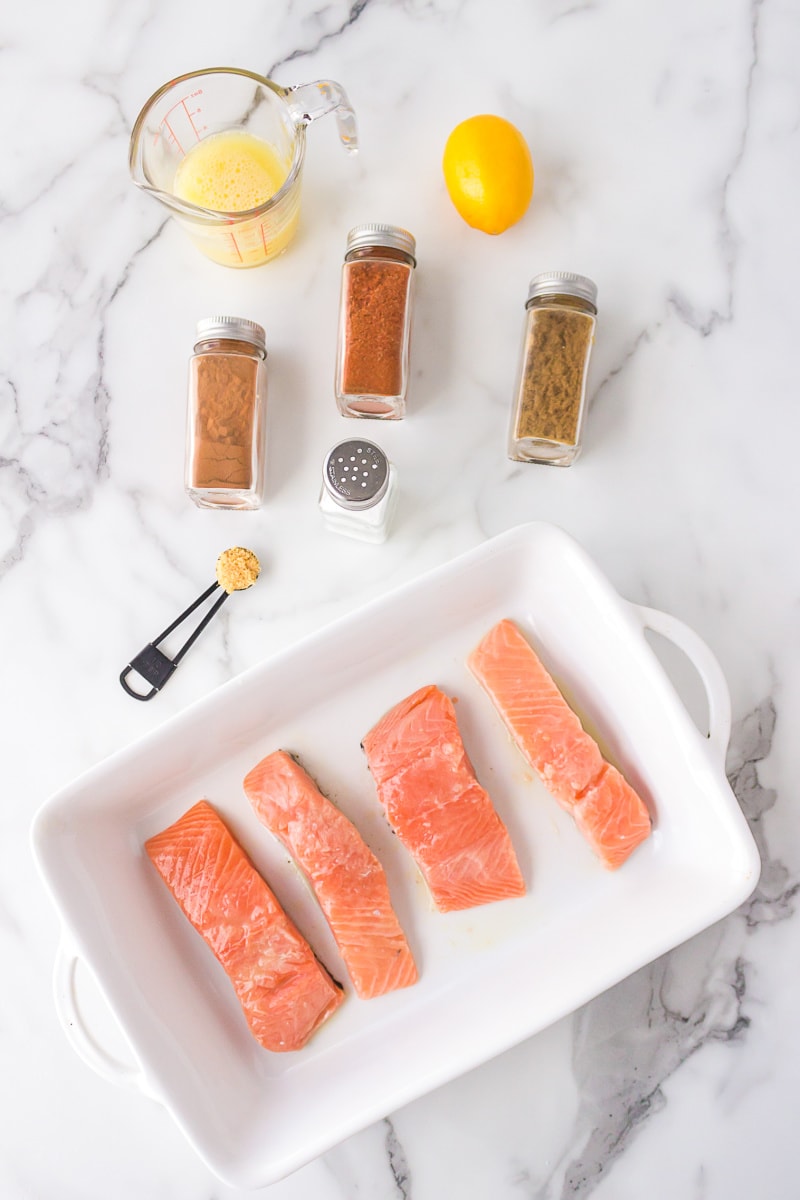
(232, 236)
(181, 111)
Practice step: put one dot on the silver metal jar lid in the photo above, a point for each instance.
(363, 236)
(563, 283)
(238, 328)
(356, 474)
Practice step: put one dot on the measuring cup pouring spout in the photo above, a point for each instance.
(242, 109)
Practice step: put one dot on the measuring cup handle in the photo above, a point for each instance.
(312, 100)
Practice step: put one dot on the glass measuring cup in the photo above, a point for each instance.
(221, 100)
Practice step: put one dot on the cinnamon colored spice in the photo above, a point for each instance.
(225, 387)
(375, 304)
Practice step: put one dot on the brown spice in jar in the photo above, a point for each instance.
(225, 388)
(557, 347)
(375, 302)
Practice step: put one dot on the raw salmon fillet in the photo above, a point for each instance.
(284, 991)
(436, 806)
(612, 817)
(347, 879)
(608, 812)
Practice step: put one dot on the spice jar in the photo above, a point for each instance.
(359, 488)
(547, 417)
(225, 430)
(375, 322)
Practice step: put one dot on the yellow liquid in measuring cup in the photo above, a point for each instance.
(232, 172)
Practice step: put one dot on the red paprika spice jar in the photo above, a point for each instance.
(375, 322)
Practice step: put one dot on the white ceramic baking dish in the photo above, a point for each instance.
(490, 976)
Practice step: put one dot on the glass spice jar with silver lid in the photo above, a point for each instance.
(225, 429)
(375, 310)
(548, 412)
(359, 489)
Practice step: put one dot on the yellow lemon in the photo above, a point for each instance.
(488, 171)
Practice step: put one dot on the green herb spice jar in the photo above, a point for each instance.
(547, 418)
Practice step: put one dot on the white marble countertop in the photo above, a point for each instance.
(665, 145)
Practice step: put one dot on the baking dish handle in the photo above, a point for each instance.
(83, 1042)
(707, 667)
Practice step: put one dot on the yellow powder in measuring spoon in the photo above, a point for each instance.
(237, 569)
(230, 172)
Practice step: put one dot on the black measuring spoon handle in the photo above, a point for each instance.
(152, 664)
(193, 638)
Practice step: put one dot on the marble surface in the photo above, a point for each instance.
(665, 144)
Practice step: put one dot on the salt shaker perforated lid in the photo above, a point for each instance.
(356, 474)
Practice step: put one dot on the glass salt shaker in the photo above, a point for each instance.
(548, 412)
(359, 490)
(225, 430)
(375, 310)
